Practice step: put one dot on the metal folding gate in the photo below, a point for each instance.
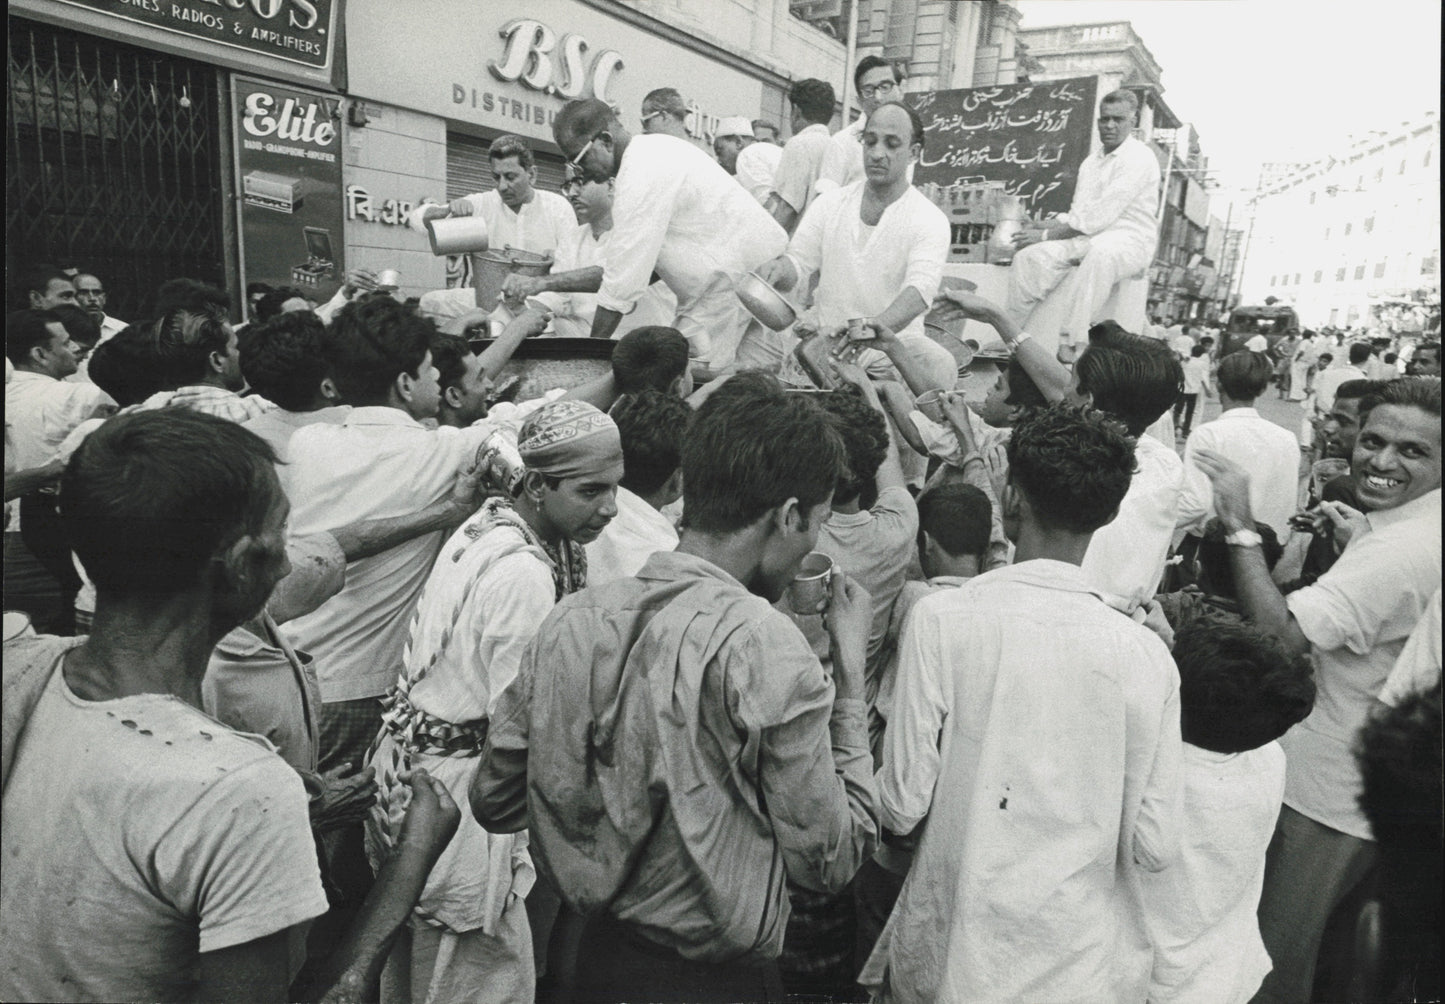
(113, 163)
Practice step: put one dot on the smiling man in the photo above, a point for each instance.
(1354, 621)
(1109, 232)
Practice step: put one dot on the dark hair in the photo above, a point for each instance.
(872, 63)
(1216, 574)
(78, 324)
(579, 121)
(1132, 378)
(666, 100)
(125, 365)
(511, 146)
(958, 516)
(865, 438)
(1324, 357)
(284, 359)
(1360, 352)
(449, 354)
(1244, 375)
(184, 341)
(1073, 465)
(26, 330)
(151, 496)
(1427, 347)
(914, 121)
(651, 425)
(190, 294)
(1022, 391)
(1391, 357)
(814, 98)
(1352, 389)
(649, 358)
(252, 288)
(36, 279)
(1407, 392)
(1121, 96)
(750, 448)
(372, 342)
(1198, 351)
(1239, 688)
(1206, 341)
(1399, 755)
(271, 303)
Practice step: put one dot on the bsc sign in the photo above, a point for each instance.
(536, 58)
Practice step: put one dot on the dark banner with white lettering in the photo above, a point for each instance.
(299, 31)
(288, 168)
(1031, 137)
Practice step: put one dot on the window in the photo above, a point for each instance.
(1427, 164)
(1380, 175)
(1327, 233)
(1359, 272)
(1273, 280)
(1339, 275)
(1427, 158)
(1370, 225)
(1348, 228)
(1430, 264)
(1296, 278)
(1319, 275)
(1402, 167)
(1380, 269)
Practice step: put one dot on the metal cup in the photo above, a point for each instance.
(931, 404)
(388, 280)
(809, 591)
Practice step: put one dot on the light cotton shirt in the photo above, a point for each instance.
(379, 462)
(843, 160)
(756, 167)
(1196, 374)
(138, 833)
(862, 269)
(1418, 668)
(573, 312)
(679, 213)
(635, 534)
(1357, 618)
(1268, 453)
(277, 426)
(1037, 732)
(40, 411)
(1200, 911)
(1117, 193)
(1125, 560)
(802, 160)
(1330, 381)
(677, 753)
(539, 226)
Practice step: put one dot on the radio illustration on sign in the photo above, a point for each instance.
(319, 263)
(267, 190)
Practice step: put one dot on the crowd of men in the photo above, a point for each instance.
(335, 669)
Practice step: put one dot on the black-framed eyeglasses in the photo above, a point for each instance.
(577, 160)
(873, 90)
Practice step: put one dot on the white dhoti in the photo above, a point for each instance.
(1299, 378)
(1094, 265)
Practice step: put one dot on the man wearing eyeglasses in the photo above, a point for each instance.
(676, 212)
(664, 111)
(877, 82)
(90, 297)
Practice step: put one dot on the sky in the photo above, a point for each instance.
(1277, 80)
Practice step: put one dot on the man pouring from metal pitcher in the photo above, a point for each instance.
(1109, 232)
(675, 212)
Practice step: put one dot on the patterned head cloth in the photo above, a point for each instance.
(567, 439)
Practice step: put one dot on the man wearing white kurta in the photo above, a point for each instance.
(676, 212)
(1109, 232)
(877, 82)
(516, 213)
(569, 291)
(1035, 739)
(878, 247)
(753, 164)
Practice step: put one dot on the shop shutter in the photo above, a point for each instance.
(468, 169)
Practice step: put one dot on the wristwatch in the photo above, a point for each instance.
(1243, 538)
(1023, 336)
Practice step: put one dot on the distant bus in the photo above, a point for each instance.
(1275, 323)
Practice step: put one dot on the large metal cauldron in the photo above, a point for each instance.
(546, 363)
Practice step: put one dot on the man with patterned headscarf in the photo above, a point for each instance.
(494, 582)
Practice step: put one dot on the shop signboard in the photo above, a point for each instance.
(1030, 137)
(291, 39)
(288, 172)
(510, 68)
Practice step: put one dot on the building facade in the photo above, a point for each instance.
(1354, 238)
